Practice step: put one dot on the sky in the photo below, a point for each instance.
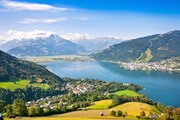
(124, 19)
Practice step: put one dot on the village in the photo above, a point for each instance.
(76, 87)
(166, 65)
(82, 87)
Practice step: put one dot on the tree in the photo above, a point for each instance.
(113, 113)
(176, 114)
(47, 110)
(160, 107)
(31, 112)
(115, 100)
(39, 111)
(169, 112)
(142, 114)
(93, 97)
(19, 107)
(9, 110)
(2, 105)
(119, 113)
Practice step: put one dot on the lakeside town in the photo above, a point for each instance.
(165, 65)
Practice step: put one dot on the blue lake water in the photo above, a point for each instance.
(159, 86)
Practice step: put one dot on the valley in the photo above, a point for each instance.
(97, 88)
(89, 60)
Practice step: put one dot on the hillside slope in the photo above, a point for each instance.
(134, 108)
(14, 68)
(146, 49)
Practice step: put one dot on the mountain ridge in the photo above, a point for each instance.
(50, 46)
(96, 44)
(145, 49)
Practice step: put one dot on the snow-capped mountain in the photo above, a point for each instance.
(97, 43)
(52, 45)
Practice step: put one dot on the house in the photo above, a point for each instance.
(154, 116)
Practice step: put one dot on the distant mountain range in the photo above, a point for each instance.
(14, 68)
(49, 46)
(55, 45)
(96, 44)
(145, 49)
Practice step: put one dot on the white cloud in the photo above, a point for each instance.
(46, 20)
(76, 36)
(14, 5)
(81, 36)
(14, 34)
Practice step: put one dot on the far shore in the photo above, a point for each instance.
(165, 65)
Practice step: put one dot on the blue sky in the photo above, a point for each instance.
(122, 18)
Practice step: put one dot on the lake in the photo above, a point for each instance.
(161, 87)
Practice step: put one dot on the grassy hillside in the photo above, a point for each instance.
(127, 93)
(146, 49)
(134, 108)
(14, 68)
(145, 57)
(100, 105)
(28, 77)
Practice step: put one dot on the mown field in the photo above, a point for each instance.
(127, 93)
(134, 108)
(12, 85)
(77, 115)
(100, 105)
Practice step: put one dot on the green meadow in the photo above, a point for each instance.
(12, 85)
(22, 83)
(127, 93)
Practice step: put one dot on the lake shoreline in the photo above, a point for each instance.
(165, 65)
(158, 85)
(151, 66)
